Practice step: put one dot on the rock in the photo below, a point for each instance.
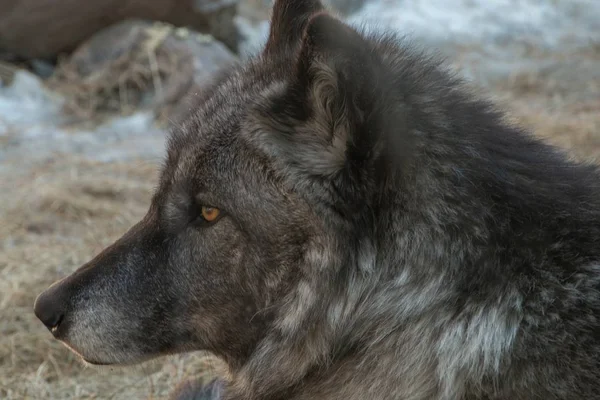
(136, 64)
(42, 29)
(7, 73)
(42, 68)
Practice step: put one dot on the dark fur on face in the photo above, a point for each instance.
(383, 234)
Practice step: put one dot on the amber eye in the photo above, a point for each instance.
(210, 214)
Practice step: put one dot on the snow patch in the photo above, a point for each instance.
(543, 23)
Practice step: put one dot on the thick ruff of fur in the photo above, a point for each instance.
(384, 235)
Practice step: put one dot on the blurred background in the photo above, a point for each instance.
(89, 89)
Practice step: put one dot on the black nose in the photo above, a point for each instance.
(50, 307)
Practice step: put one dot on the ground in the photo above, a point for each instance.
(57, 212)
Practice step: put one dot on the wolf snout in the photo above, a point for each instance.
(51, 305)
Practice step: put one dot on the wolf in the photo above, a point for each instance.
(342, 218)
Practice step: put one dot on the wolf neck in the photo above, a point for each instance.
(372, 309)
(399, 294)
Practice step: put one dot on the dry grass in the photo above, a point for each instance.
(566, 119)
(576, 127)
(64, 212)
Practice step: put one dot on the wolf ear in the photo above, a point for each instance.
(334, 66)
(334, 118)
(288, 23)
(335, 90)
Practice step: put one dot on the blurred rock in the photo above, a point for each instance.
(7, 73)
(138, 64)
(42, 68)
(42, 28)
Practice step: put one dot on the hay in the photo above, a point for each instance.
(564, 119)
(120, 84)
(576, 127)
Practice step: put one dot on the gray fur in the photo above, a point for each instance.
(386, 236)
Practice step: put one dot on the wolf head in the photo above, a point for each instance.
(270, 189)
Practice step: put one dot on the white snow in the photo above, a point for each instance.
(25, 103)
(544, 23)
(35, 129)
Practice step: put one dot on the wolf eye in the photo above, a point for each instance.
(209, 214)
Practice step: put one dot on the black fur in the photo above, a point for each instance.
(386, 234)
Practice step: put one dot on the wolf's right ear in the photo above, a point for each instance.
(288, 22)
(332, 118)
